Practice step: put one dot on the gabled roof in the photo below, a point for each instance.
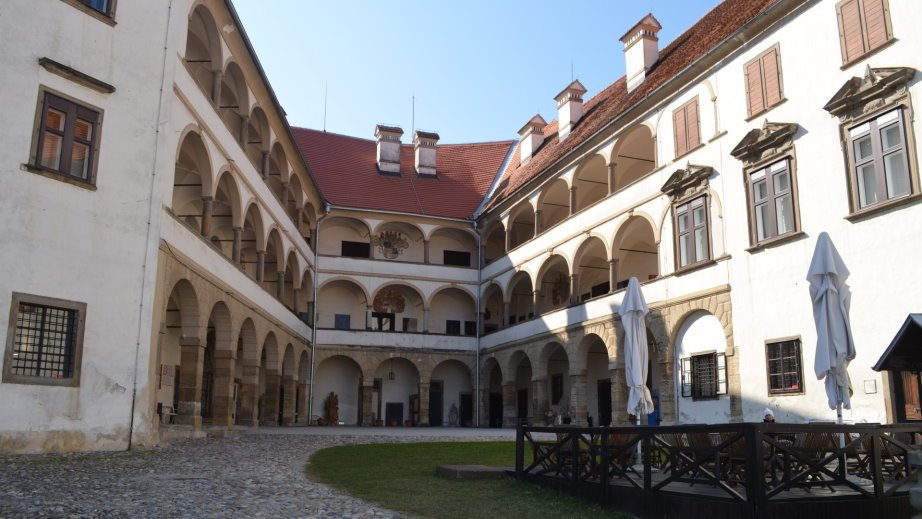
(905, 351)
(715, 27)
(345, 169)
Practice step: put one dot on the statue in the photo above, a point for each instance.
(453, 415)
(331, 406)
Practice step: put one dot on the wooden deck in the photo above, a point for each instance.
(734, 470)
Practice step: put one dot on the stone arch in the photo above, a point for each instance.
(633, 156)
(341, 296)
(590, 181)
(273, 262)
(306, 225)
(277, 172)
(554, 203)
(252, 239)
(295, 198)
(521, 297)
(553, 285)
(258, 136)
(291, 280)
(494, 242)
(444, 239)
(592, 268)
(203, 48)
(398, 240)
(492, 383)
(636, 250)
(521, 224)
(493, 308)
(234, 102)
(192, 180)
(398, 306)
(343, 376)
(338, 229)
(400, 378)
(225, 213)
(455, 379)
(452, 303)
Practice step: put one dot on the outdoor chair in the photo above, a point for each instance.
(810, 449)
(733, 470)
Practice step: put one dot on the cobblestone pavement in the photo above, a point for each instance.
(251, 475)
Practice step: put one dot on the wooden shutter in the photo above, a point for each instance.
(850, 32)
(772, 77)
(692, 124)
(678, 124)
(754, 88)
(875, 23)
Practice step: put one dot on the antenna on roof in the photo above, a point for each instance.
(326, 85)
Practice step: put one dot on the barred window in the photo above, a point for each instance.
(704, 376)
(785, 374)
(44, 341)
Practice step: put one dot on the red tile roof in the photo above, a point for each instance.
(716, 26)
(346, 171)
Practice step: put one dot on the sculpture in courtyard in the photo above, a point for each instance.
(331, 408)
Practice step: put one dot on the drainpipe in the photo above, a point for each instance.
(479, 399)
(150, 214)
(316, 244)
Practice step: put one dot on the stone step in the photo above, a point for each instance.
(472, 471)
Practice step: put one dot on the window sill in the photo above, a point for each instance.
(698, 266)
(883, 207)
(54, 175)
(786, 393)
(776, 241)
(102, 17)
(866, 55)
(9, 378)
(766, 110)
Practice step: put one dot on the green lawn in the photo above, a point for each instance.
(402, 477)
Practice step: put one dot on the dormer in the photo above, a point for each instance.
(641, 50)
(388, 153)
(531, 137)
(569, 108)
(424, 144)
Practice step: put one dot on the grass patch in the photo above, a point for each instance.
(402, 477)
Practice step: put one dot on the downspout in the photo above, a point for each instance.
(150, 213)
(479, 326)
(316, 244)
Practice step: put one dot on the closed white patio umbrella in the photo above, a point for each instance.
(633, 309)
(834, 345)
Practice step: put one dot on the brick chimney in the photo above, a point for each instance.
(531, 137)
(641, 50)
(388, 148)
(424, 143)
(569, 108)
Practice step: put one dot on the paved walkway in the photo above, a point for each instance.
(259, 473)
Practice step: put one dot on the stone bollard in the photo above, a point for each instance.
(915, 493)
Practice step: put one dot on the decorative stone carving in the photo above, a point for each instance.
(687, 182)
(878, 87)
(771, 140)
(391, 244)
(389, 301)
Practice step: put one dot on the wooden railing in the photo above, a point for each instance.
(751, 464)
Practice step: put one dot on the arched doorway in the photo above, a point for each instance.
(396, 397)
(451, 400)
(338, 379)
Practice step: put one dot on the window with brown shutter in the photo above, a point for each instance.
(864, 25)
(763, 82)
(687, 126)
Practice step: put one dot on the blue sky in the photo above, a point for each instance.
(478, 69)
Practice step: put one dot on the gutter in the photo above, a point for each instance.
(477, 395)
(316, 247)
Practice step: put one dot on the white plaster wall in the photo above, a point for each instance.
(450, 304)
(417, 341)
(455, 380)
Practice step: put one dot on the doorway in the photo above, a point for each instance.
(496, 409)
(522, 406)
(393, 414)
(603, 392)
(466, 411)
(435, 403)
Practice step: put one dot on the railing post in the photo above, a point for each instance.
(603, 463)
(574, 455)
(755, 469)
(646, 459)
(878, 469)
(519, 452)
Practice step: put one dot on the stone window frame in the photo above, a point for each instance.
(106, 16)
(860, 100)
(795, 389)
(77, 341)
(691, 203)
(874, 131)
(691, 369)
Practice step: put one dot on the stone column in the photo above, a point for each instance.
(244, 131)
(612, 275)
(426, 252)
(218, 79)
(192, 360)
(619, 416)
(207, 208)
(299, 215)
(301, 404)
(538, 225)
(280, 286)
(667, 394)
(572, 200)
(285, 195)
(578, 401)
(508, 239)
(539, 388)
(425, 320)
(295, 295)
(368, 412)
(536, 298)
(260, 265)
(238, 239)
(270, 409)
(509, 404)
(223, 399)
(368, 310)
(574, 289)
(611, 178)
(264, 166)
(506, 316)
(246, 414)
(423, 404)
(290, 388)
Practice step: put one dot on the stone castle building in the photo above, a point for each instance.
(179, 260)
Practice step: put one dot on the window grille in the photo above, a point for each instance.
(44, 341)
(704, 376)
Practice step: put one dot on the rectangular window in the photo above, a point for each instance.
(763, 82)
(382, 321)
(470, 328)
(409, 324)
(356, 249)
(67, 138)
(342, 321)
(457, 258)
(453, 327)
(704, 376)
(44, 342)
(97, 5)
(771, 201)
(687, 127)
(691, 224)
(556, 389)
(880, 170)
(784, 367)
(864, 25)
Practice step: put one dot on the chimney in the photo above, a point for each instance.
(388, 148)
(641, 50)
(424, 145)
(531, 137)
(569, 108)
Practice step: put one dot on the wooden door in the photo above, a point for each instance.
(435, 403)
(912, 406)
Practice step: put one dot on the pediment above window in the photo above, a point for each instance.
(693, 179)
(772, 139)
(878, 87)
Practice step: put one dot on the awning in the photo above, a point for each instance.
(905, 351)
